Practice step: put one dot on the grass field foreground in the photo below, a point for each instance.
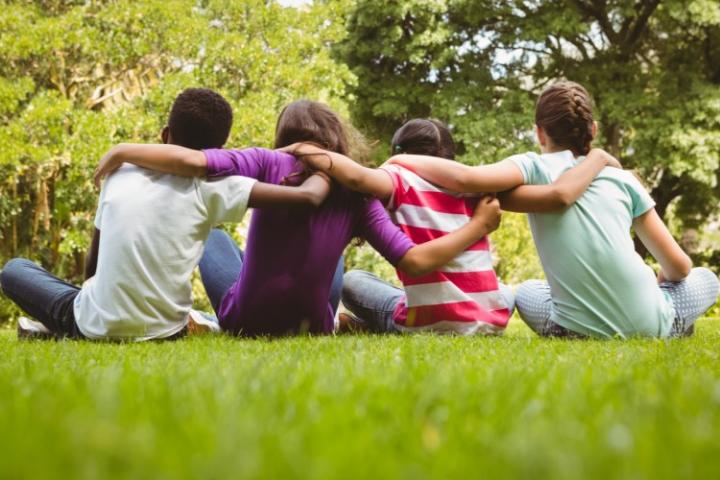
(362, 406)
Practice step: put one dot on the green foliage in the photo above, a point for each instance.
(653, 68)
(411, 61)
(514, 251)
(364, 257)
(78, 77)
(421, 406)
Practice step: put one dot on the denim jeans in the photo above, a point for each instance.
(41, 295)
(373, 300)
(221, 264)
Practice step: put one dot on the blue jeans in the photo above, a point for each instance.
(41, 295)
(373, 300)
(221, 264)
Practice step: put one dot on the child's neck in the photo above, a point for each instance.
(554, 149)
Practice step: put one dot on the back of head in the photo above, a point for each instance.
(422, 136)
(200, 118)
(564, 112)
(311, 122)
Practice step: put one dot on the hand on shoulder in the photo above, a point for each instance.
(610, 161)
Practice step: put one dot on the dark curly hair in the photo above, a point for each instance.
(200, 118)
(424, 136)
(565, 112)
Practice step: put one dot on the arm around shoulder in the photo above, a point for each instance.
(455, 176)
(344, 170)
(430, 256)
(562, 193)
(163, 158)
(311, 194)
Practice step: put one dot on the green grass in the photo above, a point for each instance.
(361, 406)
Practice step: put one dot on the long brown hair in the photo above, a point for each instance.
(424, 136)
(564, 111)
(312, 122)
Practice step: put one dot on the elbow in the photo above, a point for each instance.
(413, 266)
(312, 199)
(686, 267)
(683, 270)
(315, 201)
(192, 163)
(680, 271)
(562, 199)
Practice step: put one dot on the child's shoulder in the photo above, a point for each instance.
(529, 160)
(629, 178)
(408, 178)
(529, 156)
(536, 168)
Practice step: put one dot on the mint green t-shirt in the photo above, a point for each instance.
(600, 286)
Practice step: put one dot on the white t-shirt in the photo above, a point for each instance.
(153, 230)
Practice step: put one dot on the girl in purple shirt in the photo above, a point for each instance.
(281, 284)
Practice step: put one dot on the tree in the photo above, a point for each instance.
(653, 68)
(77, 77)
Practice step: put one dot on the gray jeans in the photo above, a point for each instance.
(691, 298)
(373, 301)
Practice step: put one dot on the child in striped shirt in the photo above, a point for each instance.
(462, 297)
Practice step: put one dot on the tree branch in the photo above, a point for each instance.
(647, 8)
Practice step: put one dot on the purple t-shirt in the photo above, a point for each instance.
(291, 255)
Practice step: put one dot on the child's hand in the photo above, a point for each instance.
(291, 149)
(610, 161)
(311, 155)
(487, 214)
(107, 165)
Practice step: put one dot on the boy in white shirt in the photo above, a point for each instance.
(154, 227)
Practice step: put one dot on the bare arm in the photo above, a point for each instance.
(562, 193)
(430, 256)
(457, 177)
(312, 193)
(92, 255)
(345, 170)
(674, 263)
(159, 157)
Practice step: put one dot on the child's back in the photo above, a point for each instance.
(153, 231)
(291, 255)
(463, 296)
(600, 285)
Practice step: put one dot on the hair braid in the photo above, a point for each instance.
(564, 112)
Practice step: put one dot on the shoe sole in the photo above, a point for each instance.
(198, 328)
(24, 334)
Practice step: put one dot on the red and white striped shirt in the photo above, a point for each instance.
(463, 296)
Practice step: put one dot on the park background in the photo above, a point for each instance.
(77, 77)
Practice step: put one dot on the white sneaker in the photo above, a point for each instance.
(200, 324)
(28, 328)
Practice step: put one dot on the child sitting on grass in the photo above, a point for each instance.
(597, 285)
(150, 233)
(464, 295)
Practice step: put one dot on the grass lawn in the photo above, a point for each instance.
(362, 407)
